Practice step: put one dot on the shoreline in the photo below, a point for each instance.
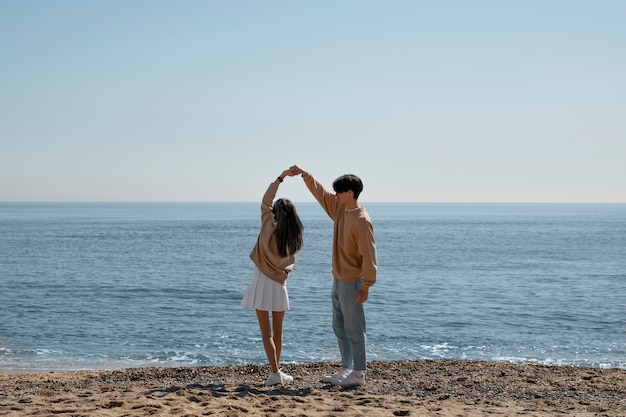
(400, 388)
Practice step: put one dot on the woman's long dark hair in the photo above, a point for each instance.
(289, 231)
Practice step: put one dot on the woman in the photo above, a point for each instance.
(281, 236)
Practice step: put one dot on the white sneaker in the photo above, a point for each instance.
(274, 379)
(278, 378)
(351, 380)
(287, 379)
(337, 376)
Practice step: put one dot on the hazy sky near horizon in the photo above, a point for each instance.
(427, 101)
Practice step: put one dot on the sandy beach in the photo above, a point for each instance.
(398, 388)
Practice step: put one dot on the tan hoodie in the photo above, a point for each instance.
(354, 248)
(265, 252)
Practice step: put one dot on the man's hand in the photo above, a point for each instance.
(296, 170)
(361, 296)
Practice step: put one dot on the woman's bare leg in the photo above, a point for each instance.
(268, 341)
(277, 328)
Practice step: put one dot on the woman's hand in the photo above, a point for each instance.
(296, 170)
(287, 173)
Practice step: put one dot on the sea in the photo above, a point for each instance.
(93, 286)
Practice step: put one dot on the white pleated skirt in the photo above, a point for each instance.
(265, 294)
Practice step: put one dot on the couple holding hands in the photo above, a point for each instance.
(354, 268)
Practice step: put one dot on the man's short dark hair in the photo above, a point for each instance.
(348, 182)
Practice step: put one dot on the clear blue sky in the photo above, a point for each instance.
(427, 101)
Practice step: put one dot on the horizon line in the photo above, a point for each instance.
(299, 202)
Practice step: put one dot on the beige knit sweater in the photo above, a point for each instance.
(354, 248)
(265, 252)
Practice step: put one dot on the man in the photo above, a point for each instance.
(354, 270)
